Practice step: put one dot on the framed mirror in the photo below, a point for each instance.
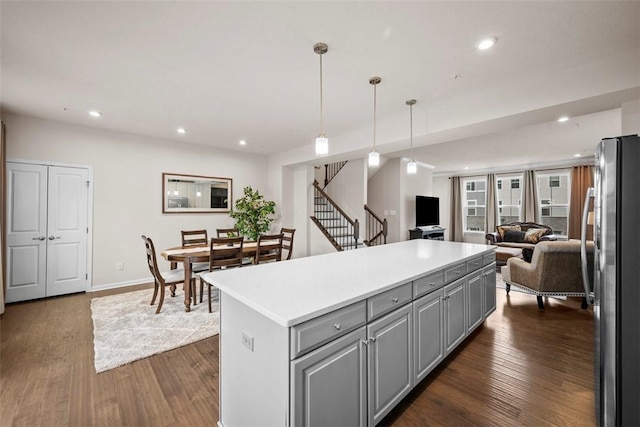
(195, 193)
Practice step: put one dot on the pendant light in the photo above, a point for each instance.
(412, 166)
(322, 142)
(374, 156)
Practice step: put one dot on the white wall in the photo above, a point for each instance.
(384, 199)
(128, 187)
(631, 118)
(349, 189)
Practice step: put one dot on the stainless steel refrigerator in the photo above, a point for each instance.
(615, 289)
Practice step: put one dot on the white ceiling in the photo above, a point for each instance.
(246, 70)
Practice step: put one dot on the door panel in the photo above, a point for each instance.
(67, 231)
(26, 231)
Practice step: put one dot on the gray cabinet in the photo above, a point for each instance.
(475, 295)
(489, 289)
(428, 317)
(455, 325)
(390, 367)
(329, 385)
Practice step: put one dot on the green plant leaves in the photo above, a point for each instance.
(253, 214)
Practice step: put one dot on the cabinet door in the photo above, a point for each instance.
(428, 315)
(455, 314)
(474, 297)
(329, 385)
(489, 286)
(390, 367)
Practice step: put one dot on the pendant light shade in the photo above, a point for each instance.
(412, 166)
(374, 156)
(322, 142)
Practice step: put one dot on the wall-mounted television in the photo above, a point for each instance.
(427, 211)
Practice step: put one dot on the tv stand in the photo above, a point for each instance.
(432, 232)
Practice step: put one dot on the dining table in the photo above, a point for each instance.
(187, 255)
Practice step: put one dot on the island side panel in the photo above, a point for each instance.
(254, 385)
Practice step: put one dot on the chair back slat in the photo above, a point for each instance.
(287, 241)
(194, 237)
(152, 262)
(225, 252)
(269, 248)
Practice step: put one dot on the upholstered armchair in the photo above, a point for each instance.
(555, 270)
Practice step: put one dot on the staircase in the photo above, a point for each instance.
(376, 228)
(335, 224)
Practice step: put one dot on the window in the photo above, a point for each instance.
(474, 204)
(553, 198)
(509, 198)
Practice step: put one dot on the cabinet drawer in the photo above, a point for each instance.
(455, 272)
(315, 332)
(427, 284)
(474, 264)
(489, 258)
(389, 300)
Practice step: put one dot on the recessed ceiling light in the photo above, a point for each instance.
(95, 113)
(242, 142)
(577, 155)
(181, 130)
(563, 119)
(466, 167)
(487, 43)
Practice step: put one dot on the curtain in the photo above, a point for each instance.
(455, 220)
(530, 197)
(2, 211)
(492, 217)
(581, 179)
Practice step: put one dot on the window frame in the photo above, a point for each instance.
(471, 186)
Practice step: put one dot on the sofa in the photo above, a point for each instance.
(555, 270)
(520, 235)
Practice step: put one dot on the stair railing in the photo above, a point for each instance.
(331, 170)
(342, 231)
(377, 229)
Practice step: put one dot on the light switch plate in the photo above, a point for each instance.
(247, 340)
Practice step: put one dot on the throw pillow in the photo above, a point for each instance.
(513, 236)
(502, 228)
(533, 235)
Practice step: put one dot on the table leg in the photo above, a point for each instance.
(187, 284)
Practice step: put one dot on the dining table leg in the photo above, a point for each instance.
(187, 284)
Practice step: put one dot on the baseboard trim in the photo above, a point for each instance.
(116, 285)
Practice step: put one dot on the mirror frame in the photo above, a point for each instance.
(170, 177)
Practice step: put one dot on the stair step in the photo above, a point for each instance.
(330, 219)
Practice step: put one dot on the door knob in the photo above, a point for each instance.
(39, 238)
(52, 237)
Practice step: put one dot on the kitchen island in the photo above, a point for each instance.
(341, 338)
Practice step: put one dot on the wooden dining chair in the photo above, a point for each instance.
(162, 279)
(287, 241)
(228, 232)
(268, 248)
(224, 252)
(194, 238)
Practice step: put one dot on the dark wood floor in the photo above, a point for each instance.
(523, 367)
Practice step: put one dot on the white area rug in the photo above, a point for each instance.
(126, 328)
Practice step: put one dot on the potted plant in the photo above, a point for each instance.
(253, 214)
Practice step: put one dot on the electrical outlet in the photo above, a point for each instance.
(392, 212)
(247, 340)
(120, 266)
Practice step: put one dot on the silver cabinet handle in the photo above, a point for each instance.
(39, 238)
(337, 326)
(372, 339)
(432, 284)
(365, 342)
(394, 299)
(456, 271)
(52, 237)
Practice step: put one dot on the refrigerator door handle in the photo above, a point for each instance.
(583, 246)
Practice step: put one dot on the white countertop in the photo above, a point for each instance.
(294, 291)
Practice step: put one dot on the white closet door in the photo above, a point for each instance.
(67, 231)
(47, 220)
(26, 231)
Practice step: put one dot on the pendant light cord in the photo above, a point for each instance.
(321, 118)
(374, 115)
(411, 127)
